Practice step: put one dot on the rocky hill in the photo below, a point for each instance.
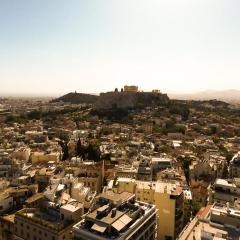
(130, 100)
(77, 98)
(116, 99)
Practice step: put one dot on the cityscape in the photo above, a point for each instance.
(126, 164)
(119, 120)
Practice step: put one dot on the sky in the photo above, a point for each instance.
(58, 46)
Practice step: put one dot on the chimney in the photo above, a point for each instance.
(114, 212)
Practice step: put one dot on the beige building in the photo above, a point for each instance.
(88, 173)
(22, 153)
(127, 171)
(224, 191)
(72, 212)
(34, 224)
(82, 194)
(169, 201)
(7, 227)
(41, 157)
(148, 128)
(6, 201)
(200, 170)
(35, 201)
(43, 176)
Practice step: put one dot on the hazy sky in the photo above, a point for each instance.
(57, 46)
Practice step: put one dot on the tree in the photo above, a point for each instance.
(229, 156)
(107, 156)
(79, 148)
(64, 147)
(93, 152)
(180, 109)
(34, 115)
(213, 129)
(16, 118)
(186, 162)
(196, 206)
(225, 171)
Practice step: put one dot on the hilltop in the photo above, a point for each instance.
(77, 98)
(126, 100)
(110, 100)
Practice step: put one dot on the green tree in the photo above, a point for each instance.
(186, 162)
(64, 147)
(225, 171)
(79, 148)
(93, 152)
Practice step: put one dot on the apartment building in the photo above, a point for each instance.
(213, 222)
(89, 173)
(44, 224)
(169, 201)
(7, 227)
(118, 216)
(224, 191)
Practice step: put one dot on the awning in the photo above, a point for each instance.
(122, 222)
(98, 228)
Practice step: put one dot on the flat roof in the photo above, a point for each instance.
(34, 197)
(72, 207)
(109, 220)
(116, 197)
(122, 222)
(156, 159)
(224, 182)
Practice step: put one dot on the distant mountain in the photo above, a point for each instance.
(77, 98)
(230, 96)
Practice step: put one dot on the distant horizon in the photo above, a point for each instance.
(51, 95)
